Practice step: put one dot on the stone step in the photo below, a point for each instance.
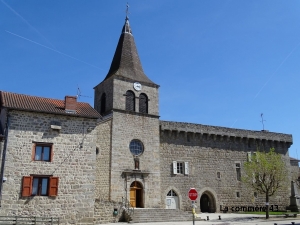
(160, 215)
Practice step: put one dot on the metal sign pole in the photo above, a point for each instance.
(193, 211)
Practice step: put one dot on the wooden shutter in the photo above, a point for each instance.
(249, 156)
(53, 186)
(186, 168)
(51, 153)
(254, 156)
(27, 186)
(174, 167)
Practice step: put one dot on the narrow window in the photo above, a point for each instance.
(143, 103)
(218, 175)
(42, 152)
(171, 193)
(237, 194)
(40, 186)
(103, 104)
(180, 167)
(130, 101)
(252, 157)
(255, 194)
(238, 171)
(188, 137)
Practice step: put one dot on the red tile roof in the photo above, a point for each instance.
(46, 105)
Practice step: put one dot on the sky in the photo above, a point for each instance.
(218, 62)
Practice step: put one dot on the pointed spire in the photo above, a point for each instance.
(126, 62)
(126, 28)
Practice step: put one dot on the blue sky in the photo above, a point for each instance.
(218, 62)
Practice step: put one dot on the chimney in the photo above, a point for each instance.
(70, 104)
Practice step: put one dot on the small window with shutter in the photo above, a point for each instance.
(180, 167)
(39, 185)
(251, 157)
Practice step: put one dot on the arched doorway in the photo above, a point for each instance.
(136, 195)
(207, 203)
(172, 201)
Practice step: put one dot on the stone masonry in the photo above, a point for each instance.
(73, 162)
(211, 150)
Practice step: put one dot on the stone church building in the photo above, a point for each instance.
(67, 159)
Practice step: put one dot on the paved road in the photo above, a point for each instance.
(230, 219)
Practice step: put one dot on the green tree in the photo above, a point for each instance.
(266, 173)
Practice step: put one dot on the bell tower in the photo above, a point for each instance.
(130, 99)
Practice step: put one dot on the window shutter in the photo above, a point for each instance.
(249, 156)
(254, 156)
(186, 168)
(51, 153)
(27, 186)
(33, 152)
(53, 186)
(174, 167)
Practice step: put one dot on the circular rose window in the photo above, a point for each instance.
(136, 147)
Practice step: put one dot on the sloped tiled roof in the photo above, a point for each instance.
(293, 159)
(46, 105)
(126, 62)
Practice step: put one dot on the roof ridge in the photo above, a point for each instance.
(25, 102)
(33, 96)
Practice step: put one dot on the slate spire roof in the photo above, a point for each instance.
(126, 63)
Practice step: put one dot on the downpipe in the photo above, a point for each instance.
(4, 156)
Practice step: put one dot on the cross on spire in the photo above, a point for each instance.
(127, 10)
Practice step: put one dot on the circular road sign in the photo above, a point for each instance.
(193, 194)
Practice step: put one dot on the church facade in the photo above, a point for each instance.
(66, 159)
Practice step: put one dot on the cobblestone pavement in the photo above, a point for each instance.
(231, 219)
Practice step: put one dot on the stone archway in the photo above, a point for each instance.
(172, 200)
(136, 195)
(207, 202)
(167, 191)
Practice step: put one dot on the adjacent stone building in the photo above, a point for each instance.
(63, 158)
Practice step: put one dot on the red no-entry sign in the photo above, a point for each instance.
(193, 194)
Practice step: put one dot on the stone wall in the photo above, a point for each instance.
(212, 150)
(73, 162)
(104, 211)
(127, 127)
(103, 160)
(120, 89)
(107, 88)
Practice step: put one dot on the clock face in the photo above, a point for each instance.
(137, 86)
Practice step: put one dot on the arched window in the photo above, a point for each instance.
(172, 193)
(103, 104)
(143, 103)
(130, 101)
